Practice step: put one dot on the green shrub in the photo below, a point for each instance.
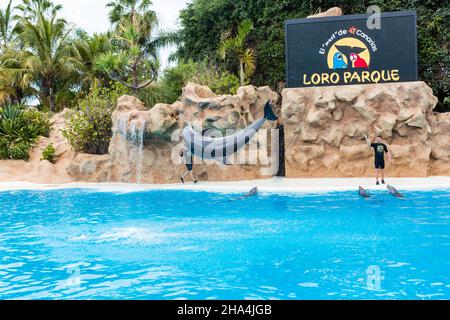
(49, 153)
(16, 150)
(39, 120)
(88, 128)
(227, 84)
(19, 130)
(19, 151)
(4, 149)
(175, 78)
(152, 95)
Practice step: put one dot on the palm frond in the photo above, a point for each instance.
(247, 58)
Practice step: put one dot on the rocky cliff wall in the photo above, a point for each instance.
(146, 143)
(324, 136)
(325, 130)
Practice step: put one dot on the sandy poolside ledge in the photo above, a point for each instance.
(274, 185)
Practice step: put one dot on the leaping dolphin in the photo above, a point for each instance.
(394, 192)
(220, 149)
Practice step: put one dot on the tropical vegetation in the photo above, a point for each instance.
(19, 130)
(88, 126)
(236, 45)
(49, 153)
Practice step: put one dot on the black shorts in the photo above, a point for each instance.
(189, 167)
(379, 164)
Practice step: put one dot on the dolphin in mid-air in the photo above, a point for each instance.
(394, 192)
(363, 193)
(220, 149)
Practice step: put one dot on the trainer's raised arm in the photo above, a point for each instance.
(367, 140)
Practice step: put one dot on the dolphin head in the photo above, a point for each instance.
(253, 191)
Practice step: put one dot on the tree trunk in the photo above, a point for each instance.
(52, 101)
(242, 74)
(134, 80)
(48, 92)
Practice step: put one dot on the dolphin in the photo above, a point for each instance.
(251, 193)
(363, 193)
(394, 192)
(220, 149)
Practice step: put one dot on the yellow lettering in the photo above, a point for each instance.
(347, 76)
(335, 77)
(385, 75)
(315, 78)
(365, 76)
(375, 76)
(356, 77)
(305, 79)
(395, 75)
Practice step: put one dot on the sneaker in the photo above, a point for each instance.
(195, 181)
(382, 181)
(182, 180)
(378, 183)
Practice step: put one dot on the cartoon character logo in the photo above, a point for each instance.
(338, 61)
(348, 53)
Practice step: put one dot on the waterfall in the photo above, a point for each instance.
(128, 150)
(137, 147)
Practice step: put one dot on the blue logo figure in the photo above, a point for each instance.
(338, 61)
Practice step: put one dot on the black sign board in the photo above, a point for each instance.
(343, 50)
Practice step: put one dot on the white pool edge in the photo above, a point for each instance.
(274, 185)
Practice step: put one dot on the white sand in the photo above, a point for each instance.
(274, 185)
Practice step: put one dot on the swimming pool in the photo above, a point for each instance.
(87, 244)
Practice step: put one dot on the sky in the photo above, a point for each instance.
(92, 15)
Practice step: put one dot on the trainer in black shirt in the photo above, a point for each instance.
(380, 149)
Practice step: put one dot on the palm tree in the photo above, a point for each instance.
(237, 46)
(132, 65)
(6, 26)
(88, 49)
(14, 80)
(31, 9)
(134, 61)
(135, 11)
(46, 52)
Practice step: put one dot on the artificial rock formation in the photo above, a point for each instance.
(325, 130)
(146, 144)
(332, 12)
(324, 136)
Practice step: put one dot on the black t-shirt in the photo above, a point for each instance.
(380, 149)
(188, 157)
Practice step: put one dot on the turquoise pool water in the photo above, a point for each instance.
(84, 244)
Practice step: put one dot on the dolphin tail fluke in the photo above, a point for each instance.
(268, 113)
